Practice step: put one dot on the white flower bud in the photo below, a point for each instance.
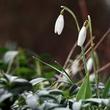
(64, 77)
(59, 24)
(9, 56)
(92, 77)
(75, 67)
(89, 64)
(82, 36)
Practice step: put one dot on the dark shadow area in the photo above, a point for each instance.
(30, 23)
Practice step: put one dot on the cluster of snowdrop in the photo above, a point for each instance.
(59, 26)
(58, 92)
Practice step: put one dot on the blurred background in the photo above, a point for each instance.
(30, 23)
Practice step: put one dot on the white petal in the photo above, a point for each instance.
(106, 101)
(82, 36)
(9, 56)
(92, 77)
(89, 64)
(64, 77)
(75, 67)
(59, 24)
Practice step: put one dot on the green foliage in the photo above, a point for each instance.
(85, 89)
(106, 89)
(32, 84)
(25, 72)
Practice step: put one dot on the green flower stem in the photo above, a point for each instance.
(84, 59)
(85, 89)
(39, 72)
(73, 15)
(78, 28)
(9, 66)
(62, 11)
(92, 53)
(60, 71)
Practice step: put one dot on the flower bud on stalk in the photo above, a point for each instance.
(89, 64)
(59, 24)
(75, 67)
(82, 36)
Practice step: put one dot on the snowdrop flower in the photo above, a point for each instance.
(59, 24)
(92, 77)
(82, 36)
(75, 67)
(89, 64)
(64, 77)
(9, 56)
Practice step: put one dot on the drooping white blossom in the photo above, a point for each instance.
(64, 77)
(92, 77)
(75, 66)
(9, 56)
(59, 24)
(89, 64)
(82, 36)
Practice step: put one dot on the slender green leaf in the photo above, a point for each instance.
(85, 89)
(107, 89)
(37, 80)
(53, 67)
(56, 92)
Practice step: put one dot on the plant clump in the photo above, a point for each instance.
(32, 82)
